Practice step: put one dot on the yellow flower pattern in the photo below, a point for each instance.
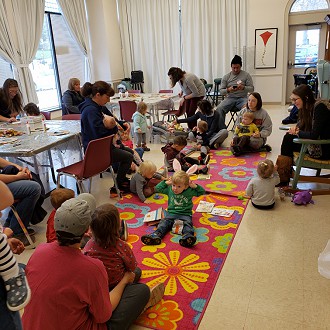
(187, 271)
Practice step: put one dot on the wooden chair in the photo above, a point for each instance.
(97, 160)
(304, 160)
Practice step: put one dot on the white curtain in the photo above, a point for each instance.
(213, 31)
(21, 25)
(74, 13)
(150, 39)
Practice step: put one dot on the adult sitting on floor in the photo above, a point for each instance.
(26, 191)
(69, 289)
(96, 124)
(261, 119)
(215, 133)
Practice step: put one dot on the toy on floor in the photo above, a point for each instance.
(303, 197)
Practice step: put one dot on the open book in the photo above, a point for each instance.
(153, 217)
(222, 212)
(205, 207)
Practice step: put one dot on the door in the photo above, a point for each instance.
(306, 46)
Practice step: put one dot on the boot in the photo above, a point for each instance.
(284, 168)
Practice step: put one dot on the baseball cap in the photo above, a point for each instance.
(75, 214)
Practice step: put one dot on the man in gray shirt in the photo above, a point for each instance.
(235, 85)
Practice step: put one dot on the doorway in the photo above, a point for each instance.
(306, 46)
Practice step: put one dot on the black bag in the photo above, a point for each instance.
(137, 77)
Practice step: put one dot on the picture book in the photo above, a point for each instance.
(222, 212)
(153, 217)
(205, 207)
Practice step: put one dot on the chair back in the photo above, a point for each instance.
(127, 109)
(47, 114)
(100, 150)
(134, 91)
(165, 91)
(72, 116)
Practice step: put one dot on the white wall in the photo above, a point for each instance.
(268, 14)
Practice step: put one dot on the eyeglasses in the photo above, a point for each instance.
(294, 99)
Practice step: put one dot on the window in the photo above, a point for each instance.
(57, 60)
(6, 71)
(307, 46)
(309, 5)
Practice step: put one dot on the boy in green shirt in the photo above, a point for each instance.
(180, 191)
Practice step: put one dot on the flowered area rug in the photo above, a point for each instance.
(189, 274)
(230, 175)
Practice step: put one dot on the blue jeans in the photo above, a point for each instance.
(228, 104)
(132, 302)
(28, 193)
(166, 224)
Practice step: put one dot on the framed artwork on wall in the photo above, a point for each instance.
(265, 48)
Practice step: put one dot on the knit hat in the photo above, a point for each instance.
(75, 215)
(236, 60)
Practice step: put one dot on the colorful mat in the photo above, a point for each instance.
(230, 175)
(189, 274)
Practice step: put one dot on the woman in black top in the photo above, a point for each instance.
(10, 101)
(72, 97)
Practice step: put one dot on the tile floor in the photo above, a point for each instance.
(270, 279)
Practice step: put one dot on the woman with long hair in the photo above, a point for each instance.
(10, 101)
(313, 123)
(192, 91)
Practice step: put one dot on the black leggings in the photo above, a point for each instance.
(263, 207)
(288, 146)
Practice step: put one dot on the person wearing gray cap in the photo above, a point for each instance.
(235, 86)
(69, 289)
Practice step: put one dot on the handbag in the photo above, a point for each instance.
(314, 150)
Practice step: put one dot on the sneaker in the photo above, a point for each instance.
(146, 148)
(152, 239)
(156, 295)
(204, 169)
(18, 292)
(123, 230)
(113, 192)
(206, 159)
(187, 242)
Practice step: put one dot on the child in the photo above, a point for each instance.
(202, 139)
(243, 132)
(106, 245)
(173, 150)
(57, 198)
(18, 291)
(180, 191)
(31, 109)
(262, 189)
(142, 182)
(138, 152)
(116, 255)
(141, 126)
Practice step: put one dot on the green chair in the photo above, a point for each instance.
(304, 160)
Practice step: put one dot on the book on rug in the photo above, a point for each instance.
(205, 207)
(222, 212)
(203, 176)
(153, 217)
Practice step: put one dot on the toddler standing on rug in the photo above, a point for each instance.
(144, 181)
(180, 191)
(262, 189)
